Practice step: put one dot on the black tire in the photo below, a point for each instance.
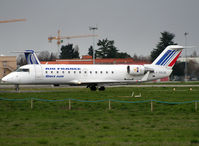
(93, 88)
(102, 88)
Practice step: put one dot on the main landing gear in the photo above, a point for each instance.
(102, 88)
(93, 87)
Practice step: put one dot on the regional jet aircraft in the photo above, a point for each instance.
(93, 76)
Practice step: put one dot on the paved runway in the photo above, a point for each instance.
(4, 88)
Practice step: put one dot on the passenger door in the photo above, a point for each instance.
(38, 72)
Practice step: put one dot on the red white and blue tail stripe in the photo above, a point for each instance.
(169, 56)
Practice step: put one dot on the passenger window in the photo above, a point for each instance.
(112, 72)
(101, 72)
(68, 71)
(79, 72)
(51, 72)
(57, 71)
(46, 72)
(74, 72)
(106, 72)
(85, 72)
(90, 72)
(96, 72)
(63, 72)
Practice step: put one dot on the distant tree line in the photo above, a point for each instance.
(69, 52)
(107, 49)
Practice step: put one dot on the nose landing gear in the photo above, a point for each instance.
(17, 87)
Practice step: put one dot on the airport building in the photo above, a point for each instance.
(183, 59)
(86, 59)
(7, 65)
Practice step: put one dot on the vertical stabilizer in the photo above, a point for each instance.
(169, 56)
(31, 57)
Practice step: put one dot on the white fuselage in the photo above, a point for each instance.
(93, 75)
(86, 74)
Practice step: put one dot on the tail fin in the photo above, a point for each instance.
(31, 57)
(169, 56)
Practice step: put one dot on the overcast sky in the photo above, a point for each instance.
(134, 25)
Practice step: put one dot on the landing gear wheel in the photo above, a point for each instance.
(102, 88)
(93, 88)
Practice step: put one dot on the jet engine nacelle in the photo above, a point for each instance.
(136, 70)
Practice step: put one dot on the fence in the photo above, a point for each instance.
(105, 100)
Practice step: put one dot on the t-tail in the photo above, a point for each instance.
(169, 56)
(31, 57)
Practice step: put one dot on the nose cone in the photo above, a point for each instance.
(8, 79)
(4, 79)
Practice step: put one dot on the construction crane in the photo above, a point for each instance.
(60, 38)
(12, 20)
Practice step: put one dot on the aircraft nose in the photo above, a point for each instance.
(5, 79)
(11, 78)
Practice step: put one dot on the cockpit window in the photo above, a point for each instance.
(22, 70)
